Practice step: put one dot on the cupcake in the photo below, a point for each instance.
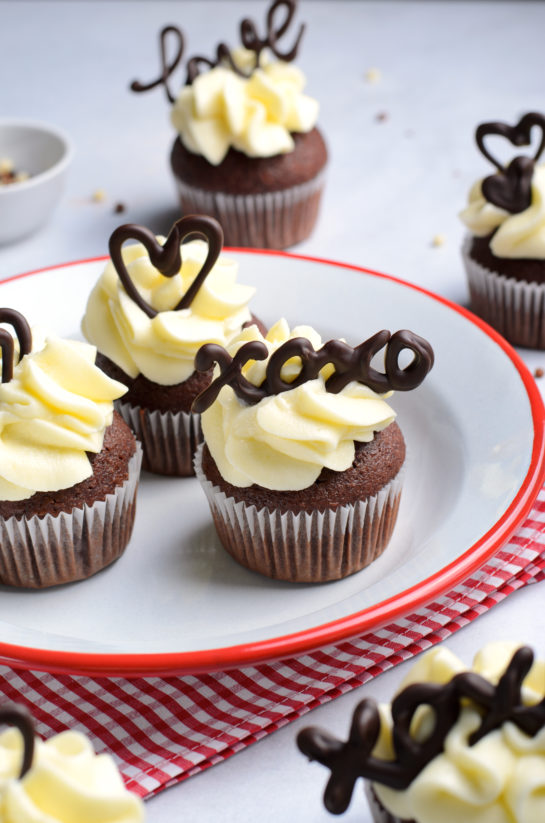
(69, 465)
(504, 253)
(155, 304)
(248, 151)
(302, 462)
(455, 745)
(60, 780)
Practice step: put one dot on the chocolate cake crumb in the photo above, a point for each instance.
(538, 372)
(119, 208)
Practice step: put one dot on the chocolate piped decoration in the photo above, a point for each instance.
(167, 68)
(350, 364)
(24, 336)
(353, 759)
(167, 258)
(249, 38)
(511, 187)
(13, 714)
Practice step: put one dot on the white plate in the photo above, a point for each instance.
(177, 602)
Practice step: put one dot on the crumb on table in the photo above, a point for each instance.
(119, 208)
(382, 116)
(99, 196)
(373, 75)
(438, 240)
(538, 372)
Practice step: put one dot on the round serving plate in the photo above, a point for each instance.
(177, 603)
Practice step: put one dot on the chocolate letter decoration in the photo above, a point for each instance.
(511, 187)
(24, 336)
(15, 715)
(353, 759)
(166, 68)
(167, 258)
(349, 364)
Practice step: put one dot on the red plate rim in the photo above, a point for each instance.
(369, 619)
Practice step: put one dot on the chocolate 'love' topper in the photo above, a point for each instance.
(167, 258)
(24, 336)
(276, 28)
(349, 364)
(15, 715)
(353, 759)
(511, 187)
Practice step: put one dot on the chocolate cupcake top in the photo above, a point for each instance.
(55, 406)
(65, 781)
(283, 407)
(456, 745)
(249, 98)
(159, 300)
(510, 204)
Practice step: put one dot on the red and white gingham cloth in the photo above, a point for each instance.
(162, 730)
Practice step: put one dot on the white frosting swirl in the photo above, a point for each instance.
(163, 348)
(55, 409)
(220, 110)
(284, 441)
(67, 783)
(519, 235)
(499, 779)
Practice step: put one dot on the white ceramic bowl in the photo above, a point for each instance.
(45, 153)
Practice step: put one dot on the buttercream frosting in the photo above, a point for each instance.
(284, 441)
(163, 348)
(499, 779)
(520, 235)
(56, 408)
(255, 115)
(67, 783)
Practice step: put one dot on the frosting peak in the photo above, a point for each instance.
(254, 114)
(284, 441)
(56, 408)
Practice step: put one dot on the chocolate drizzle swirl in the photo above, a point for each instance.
(349, 364)
(24, 336)
(511, 187)
(167, 258)
(275, 29)
(353, 759)
(15, 715)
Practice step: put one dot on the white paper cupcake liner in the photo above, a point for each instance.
(273, 220)
(36, 552)
(515, 308)
(304, 547)
(169, 439)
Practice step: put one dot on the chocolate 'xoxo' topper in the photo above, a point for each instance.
(167, 258)
(24, 336)
(353, 759)
(276, 28)
(511, 187)
(349, 364)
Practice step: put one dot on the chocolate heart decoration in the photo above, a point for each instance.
(24, 336)
(15, 715)
(511, 187)
(167, 258)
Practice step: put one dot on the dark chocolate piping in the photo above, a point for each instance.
(511, 187)
(167, 258)
(166, 68)
(24, 336)
(353, 759)
(350, 364)
(15, 715)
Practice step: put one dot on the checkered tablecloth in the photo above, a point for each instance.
(163, 730)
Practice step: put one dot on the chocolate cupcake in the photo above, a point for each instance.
(455, 745)
(302, 462)
(504, 254)
(156, 303)
(60, 779)
(69, 465)
(248, 151)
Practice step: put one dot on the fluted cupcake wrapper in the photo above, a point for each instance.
(169, 439)
(304, 547)
(37, 552)
(380, 814)
(515, 308)
(272, 220)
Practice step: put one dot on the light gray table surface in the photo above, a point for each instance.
(402, 160)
